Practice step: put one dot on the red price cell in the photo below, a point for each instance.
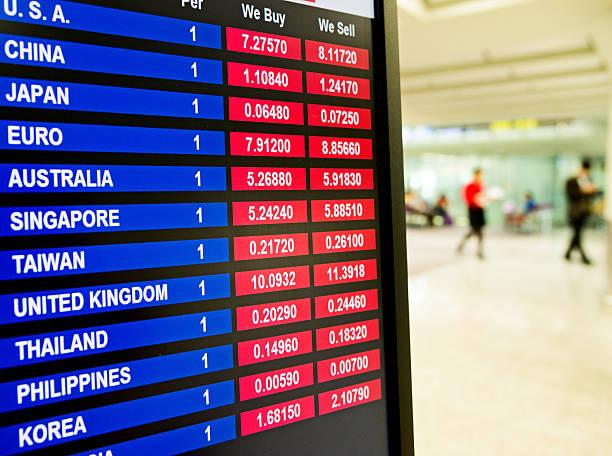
(343, 241)
(344, 272)
(269, 348)
(350, 148)
(272, 314)
(350, 396)
(277, 381)
(262, 77)
(272, 246)
(267, 280)
(269, 212)
(277, 415)
(342, 335)
(269, 111)
(263, 44)
(338, 116)
(337, 86)
(346, 303)
(251, 178)
(345, 366)
(340, 210)
(334, 54)
(266, 145)
(341, 179)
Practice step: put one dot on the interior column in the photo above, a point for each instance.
(608, 208)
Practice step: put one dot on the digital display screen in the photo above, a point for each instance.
(191, 250)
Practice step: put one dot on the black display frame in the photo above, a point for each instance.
(394, 266)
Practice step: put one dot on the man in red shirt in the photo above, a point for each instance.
(473, 195)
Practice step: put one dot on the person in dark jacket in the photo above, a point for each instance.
(579, 190)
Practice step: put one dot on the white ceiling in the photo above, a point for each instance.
(468, 61)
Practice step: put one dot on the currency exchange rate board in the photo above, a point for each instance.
(190, 229)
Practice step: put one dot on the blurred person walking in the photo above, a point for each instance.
(474, 196)
(579, 190)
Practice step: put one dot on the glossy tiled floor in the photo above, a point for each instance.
(513, 355)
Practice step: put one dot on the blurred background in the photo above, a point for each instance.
(511, 352)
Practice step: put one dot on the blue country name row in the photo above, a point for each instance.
(20, 221)
(110, 21)
(20, 178)
(106, 138)
(30, 93)
(24, 264)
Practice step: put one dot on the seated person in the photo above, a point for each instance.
(530, 204)
(441, 209)
(415, 205)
